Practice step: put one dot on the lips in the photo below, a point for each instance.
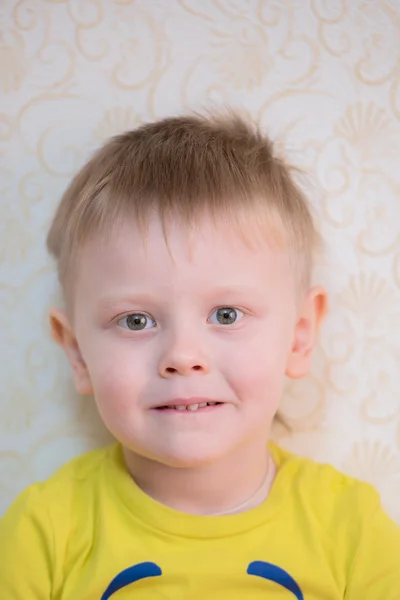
(188, 407)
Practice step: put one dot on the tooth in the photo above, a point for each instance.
(211, 403)
(180, 407)
(203, 404)
(192, 407)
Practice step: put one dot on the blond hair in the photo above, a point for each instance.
(183, 167)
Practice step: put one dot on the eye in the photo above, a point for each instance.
(136, 322)
(226, 315)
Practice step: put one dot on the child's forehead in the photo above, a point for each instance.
(239, 234)
(172, 258)
(179, 261)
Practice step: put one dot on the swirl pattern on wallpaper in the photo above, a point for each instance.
(323, 78)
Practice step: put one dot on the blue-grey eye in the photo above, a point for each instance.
(226, 315)
(136, 322)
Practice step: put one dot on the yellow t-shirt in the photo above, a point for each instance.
(89, 533)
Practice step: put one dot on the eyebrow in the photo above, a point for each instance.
(224, 290)
(142, 296)
(128, 298)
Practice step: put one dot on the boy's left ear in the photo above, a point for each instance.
(311, 315)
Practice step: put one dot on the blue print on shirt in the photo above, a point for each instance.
(257, 568)
(130, 575)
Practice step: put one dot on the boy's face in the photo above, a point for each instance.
(158, 327)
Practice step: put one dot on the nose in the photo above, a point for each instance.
(183, 357)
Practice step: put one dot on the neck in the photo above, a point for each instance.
(235, 480)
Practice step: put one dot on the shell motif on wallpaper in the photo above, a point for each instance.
(368, 128)
(374, 462)
(116, 120)
(369, 296)
(242, 56)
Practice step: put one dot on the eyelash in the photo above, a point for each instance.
(148, 317)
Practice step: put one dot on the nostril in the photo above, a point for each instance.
(182, 368)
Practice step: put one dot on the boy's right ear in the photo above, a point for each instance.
(63, 334)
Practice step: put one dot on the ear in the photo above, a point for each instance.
(63, 335)
(311, 315)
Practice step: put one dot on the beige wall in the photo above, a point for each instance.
(323, 78)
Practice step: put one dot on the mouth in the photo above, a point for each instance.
(195, 407)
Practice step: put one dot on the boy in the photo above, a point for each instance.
(184, 250)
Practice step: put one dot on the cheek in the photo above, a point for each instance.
(117, 372)
(258, 375)
(257, 369)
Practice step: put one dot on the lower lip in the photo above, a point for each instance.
(204, 409)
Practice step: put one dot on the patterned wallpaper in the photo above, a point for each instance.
(323, 77)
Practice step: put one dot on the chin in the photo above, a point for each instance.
(185, 452)
(188, 458)
(188, 462)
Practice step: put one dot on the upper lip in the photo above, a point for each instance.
(185, 401)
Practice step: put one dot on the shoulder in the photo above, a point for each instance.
(56, 495)
(37, 527)
(342, 517)
(78, 470)
(327, 491)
